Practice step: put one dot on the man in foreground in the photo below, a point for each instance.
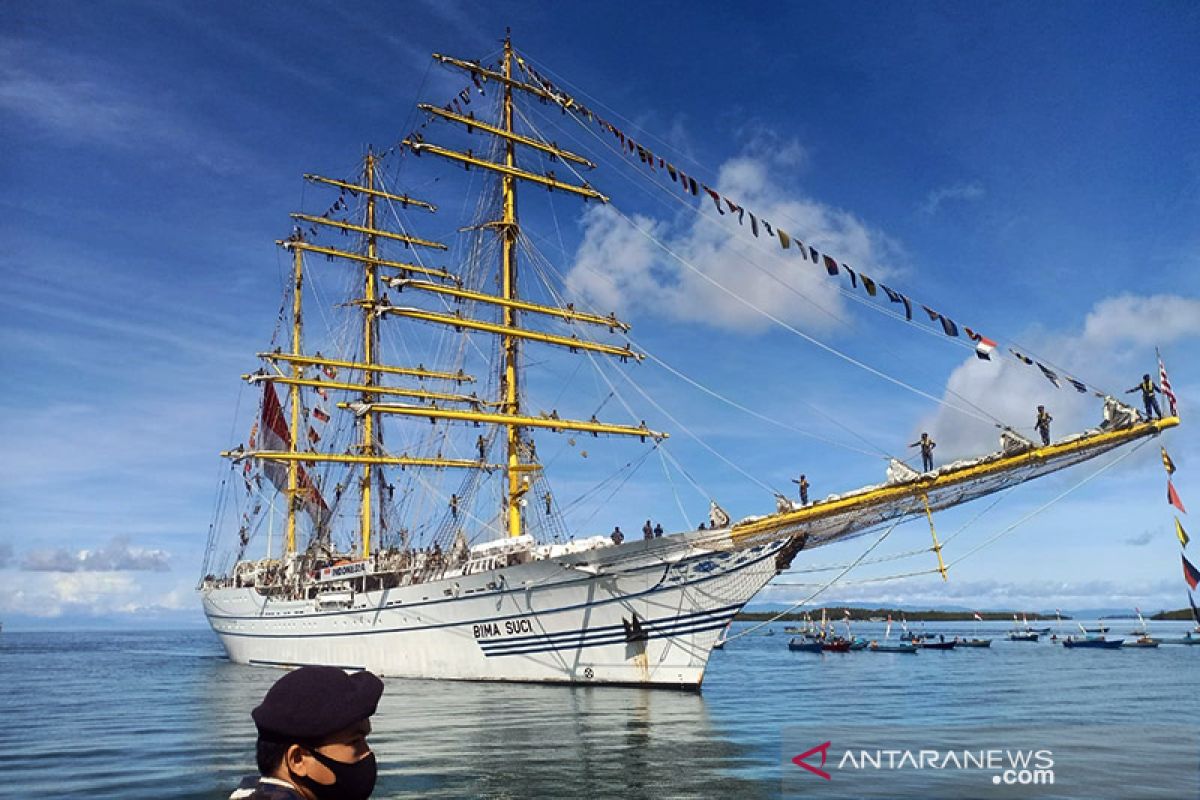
(312, 737)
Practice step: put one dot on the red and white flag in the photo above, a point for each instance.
(983, 345)
(320, 414)
(977, 617)
(984, 348)
(1164, 383)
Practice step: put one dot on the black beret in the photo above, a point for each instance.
(311, 703)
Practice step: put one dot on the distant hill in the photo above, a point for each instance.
(1181, 613)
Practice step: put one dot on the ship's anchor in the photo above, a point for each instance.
(634, 632)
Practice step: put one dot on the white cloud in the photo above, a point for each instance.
(116, 556)
(959, 191)
(619, 266)
(1120, 328)
(90, 594)
(1142, 321)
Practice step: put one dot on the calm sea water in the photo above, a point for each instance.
(154, 714)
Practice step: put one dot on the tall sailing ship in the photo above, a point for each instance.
(382, 563)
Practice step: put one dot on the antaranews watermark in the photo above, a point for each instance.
(992, 762)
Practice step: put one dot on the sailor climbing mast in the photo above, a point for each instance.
(370, 342)
(509, 343)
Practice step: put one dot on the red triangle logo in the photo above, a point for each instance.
(800, 761)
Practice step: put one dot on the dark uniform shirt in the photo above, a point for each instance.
(256, 787)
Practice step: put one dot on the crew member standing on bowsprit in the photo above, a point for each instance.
(312, 737)
(1148, 387)
(926, 444)
(803, 484)
(1042, 424)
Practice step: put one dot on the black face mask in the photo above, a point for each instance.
(353, 781)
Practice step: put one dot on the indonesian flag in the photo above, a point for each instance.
(977, 617)
(320, 414)
(329, 371)
(1164, 383)
(1190, 573)
(1173, 497)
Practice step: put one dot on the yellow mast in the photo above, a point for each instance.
(370, 323)
(509, 344)
(294, 397)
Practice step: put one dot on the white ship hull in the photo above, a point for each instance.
(563, 620)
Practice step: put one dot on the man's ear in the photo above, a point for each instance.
(296, 760)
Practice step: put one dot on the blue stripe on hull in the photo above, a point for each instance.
(708, 576)
(583, 642)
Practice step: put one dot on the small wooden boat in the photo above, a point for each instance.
(931, 644)
(1022, 636)
(1187, 638)
(1092, 643)
(835, 646)
(974, 642)
(1141, 641)
(859, 644)
(803, 646)
(1097, 629)
(899, 647)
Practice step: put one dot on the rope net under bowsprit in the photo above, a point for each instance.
(906, 494)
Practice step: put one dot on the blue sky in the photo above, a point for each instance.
(1030, 170)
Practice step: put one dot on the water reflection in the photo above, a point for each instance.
(133, 715)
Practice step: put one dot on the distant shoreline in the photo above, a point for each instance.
(865, 615)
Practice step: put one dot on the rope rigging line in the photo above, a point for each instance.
(674, 492)
(831, 582)
(877, 450)
(978, 413)
(1005, 531)
(986, 543)
(854, 296)
(678, 424)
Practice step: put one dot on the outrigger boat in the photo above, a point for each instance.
(1141, 641)
(1092, 642)
(974, 640)
(1019, 635)
(1142, 631)
(1187, 638)
(936, 644)
(385, 564)
(887, 647)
